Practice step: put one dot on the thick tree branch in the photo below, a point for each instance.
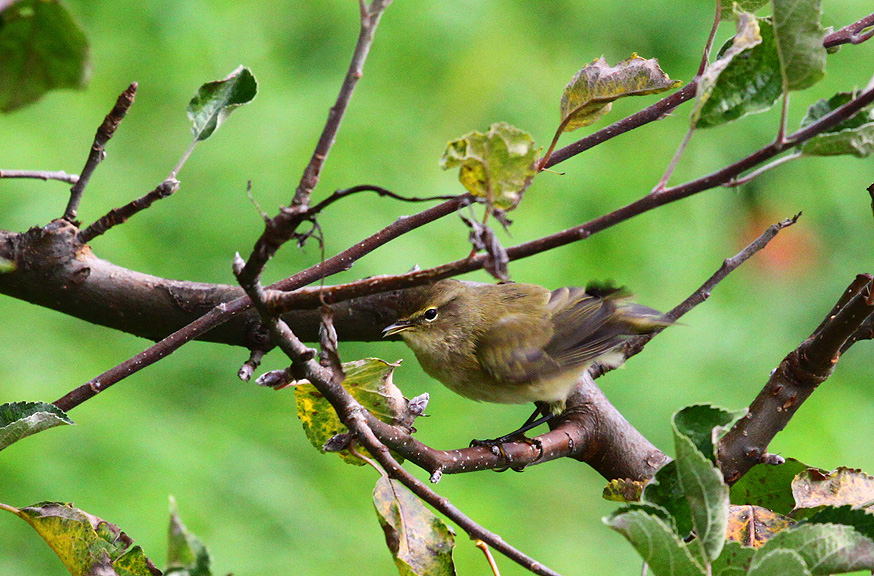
(798, 375)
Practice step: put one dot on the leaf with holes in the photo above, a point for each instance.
(497, 166)
(591, 91)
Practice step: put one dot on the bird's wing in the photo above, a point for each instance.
(586, 326)
(512, 350)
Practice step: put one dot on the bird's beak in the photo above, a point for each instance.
(396, 328)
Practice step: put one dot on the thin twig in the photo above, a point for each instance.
(759, 171)
(852, 33)
(224, 312)
(370, 16)
(729, 265)
(489, 558)
(121, 215)
(663, 181)
(40, 175)
(279, 230)
(343, 193)
(98, 149)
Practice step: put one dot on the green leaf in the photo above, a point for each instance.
(41, 49)
(186, 555)
(420, 542)
(730, 12)
(21, 419)
(652, 537)
(370, 382)
(591, 91)
(214, 101)
(858, 142)
(747, 82)
(86, 544)
(824, 107)
(768, 486)
(825, 548)
(779, 563)
(696, 429)
(734, 559)
(799, 42)
(497, 166)
(664, 490)
(707, 494)
(859, 518)
(702, 424)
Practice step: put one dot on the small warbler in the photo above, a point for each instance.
(516, 343)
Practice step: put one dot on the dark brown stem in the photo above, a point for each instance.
(851, 34)
(283, 227)
(121, 215)
(797, 377)
(329, 382)
(228, 310)
(98, 149)
(384, 192)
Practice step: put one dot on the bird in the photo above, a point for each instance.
(514, 343)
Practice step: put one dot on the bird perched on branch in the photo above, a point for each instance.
(516, 343)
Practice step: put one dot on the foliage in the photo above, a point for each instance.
(687, 495)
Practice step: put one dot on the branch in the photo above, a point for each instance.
(98, 149)
(798, 375)
(40, 175)
(851, 34)
(121, 215)
(279, 230)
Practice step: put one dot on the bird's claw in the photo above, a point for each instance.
(496, 447)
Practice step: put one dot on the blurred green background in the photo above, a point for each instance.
(247, 481)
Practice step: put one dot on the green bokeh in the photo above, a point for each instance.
(246, 479)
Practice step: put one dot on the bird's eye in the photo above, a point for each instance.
(430, 314)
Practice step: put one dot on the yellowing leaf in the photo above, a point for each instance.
(497, 166)
(420, 542)
(86, 544)
(813, 488)
(754, 525)
(591, 91)
(370, 382)
(623, 490)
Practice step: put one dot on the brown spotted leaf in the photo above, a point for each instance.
(370, 382)
(496, 167)
(420, 542)
(753, 525)
(591, 91)
(624, 490)
(813, 488)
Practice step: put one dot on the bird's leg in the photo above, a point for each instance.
(540, 416)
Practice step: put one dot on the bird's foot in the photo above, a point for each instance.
(496, 446)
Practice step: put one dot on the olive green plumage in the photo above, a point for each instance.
(517, 343)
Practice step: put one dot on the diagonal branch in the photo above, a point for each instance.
(794, 380)
(98, 149)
